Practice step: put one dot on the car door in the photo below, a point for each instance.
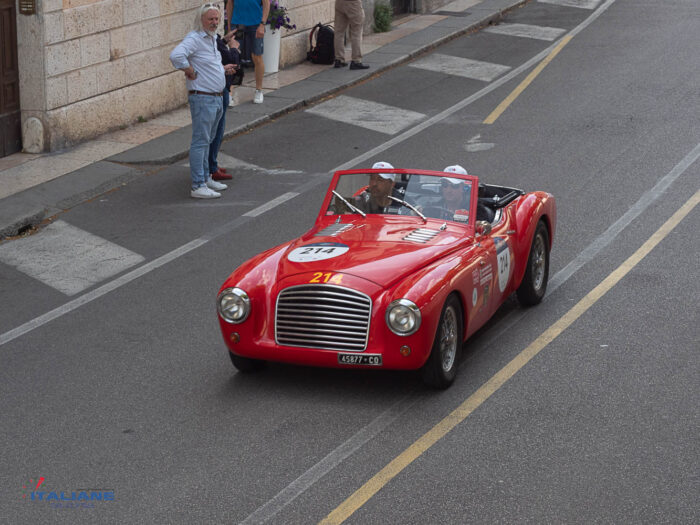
(501, 256)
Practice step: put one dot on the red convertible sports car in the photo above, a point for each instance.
(399, 269)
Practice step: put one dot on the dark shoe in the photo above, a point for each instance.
(339, 63)
(358, 65)
(221, 174)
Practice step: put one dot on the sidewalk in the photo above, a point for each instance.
(36, 186)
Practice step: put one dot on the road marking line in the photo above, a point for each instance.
(581, 4)
(271, 204)
(526, 31)
(518, 90)
(367, 114)
(462, 67)
(67, 258)
(414, 451)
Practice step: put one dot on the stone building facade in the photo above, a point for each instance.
(90, 66)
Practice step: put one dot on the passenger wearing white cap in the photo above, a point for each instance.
(455, 195)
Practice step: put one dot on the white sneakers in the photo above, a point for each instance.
(258, 97)
(214, 185)
(204, 193)
(208, 191)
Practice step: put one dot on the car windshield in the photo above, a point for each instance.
(432, 196)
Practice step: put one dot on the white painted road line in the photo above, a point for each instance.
(269, 205)
(582, 4)
(526, 31)
(367, 114)
(67, 258)
(462, 67)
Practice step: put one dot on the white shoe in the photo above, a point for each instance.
(214, 185)
(258, 97)
(204, 193)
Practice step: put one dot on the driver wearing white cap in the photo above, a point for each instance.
(375, 199)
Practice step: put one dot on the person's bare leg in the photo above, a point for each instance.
(259, 70)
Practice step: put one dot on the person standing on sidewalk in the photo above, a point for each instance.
(252, 14)
(229, 55)
(198, 57)
(348, 13)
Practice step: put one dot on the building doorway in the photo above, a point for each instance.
(10, 122)
(402, 7)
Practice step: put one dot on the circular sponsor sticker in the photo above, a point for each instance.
(317, 252)
(475, 296)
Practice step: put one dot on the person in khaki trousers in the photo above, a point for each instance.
(348, 13)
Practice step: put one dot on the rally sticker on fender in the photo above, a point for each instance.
(317, 252)
(360, 359)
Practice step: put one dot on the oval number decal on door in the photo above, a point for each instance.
(504, 262)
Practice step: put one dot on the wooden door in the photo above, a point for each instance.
(10, 123)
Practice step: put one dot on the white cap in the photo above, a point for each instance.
(454, 181)
(456, 169)
(384, 166)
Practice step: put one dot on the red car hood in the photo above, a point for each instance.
(381, 252)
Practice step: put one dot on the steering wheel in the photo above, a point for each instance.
(434, 211)
(360, 191)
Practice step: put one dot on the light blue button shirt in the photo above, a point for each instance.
(198, 50)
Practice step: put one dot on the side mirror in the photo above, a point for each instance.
(483, 228)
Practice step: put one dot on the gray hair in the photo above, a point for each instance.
(200, 12)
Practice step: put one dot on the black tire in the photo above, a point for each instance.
(440, 369)
(245, 364)
(531, 290)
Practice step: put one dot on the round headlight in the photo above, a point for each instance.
(233, 305)
(403, 317)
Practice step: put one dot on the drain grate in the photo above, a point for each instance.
(460, 14)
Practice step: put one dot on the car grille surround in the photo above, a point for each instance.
(323, 316)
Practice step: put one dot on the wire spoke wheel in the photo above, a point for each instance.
(534, 285)
(448, 339)
(440, 369)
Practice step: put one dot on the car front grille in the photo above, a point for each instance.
(323, 316)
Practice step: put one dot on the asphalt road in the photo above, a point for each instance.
(127, 388)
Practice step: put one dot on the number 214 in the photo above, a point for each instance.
(320, 277)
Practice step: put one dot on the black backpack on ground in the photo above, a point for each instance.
(323, 52)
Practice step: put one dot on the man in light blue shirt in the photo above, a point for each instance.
(199, 58)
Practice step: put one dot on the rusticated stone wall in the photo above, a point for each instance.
(91, 66)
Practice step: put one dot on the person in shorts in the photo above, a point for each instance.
(252, 15)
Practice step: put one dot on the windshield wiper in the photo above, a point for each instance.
(409, 206)
(353, 208)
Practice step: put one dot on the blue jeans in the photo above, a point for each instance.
(206, 111)
(216, 143)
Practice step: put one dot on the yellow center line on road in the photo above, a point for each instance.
(390, 471)
(516, 92)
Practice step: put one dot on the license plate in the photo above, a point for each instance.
(360, 359)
